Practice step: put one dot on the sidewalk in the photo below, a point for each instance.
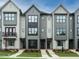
(75, 52)
(52, 53)
(43, 53)
(18, 53)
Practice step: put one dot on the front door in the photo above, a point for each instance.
(48, 44)
(23, 43)
(78, 43)
(42, 44)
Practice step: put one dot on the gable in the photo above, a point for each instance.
(60, 9)
(32, 10)
(10, 7)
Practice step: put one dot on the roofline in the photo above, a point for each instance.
(7, 3)
(41, 12)
(62, 7)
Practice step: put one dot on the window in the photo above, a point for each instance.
(61, 18)
(10, 31)
(70, 17)
(78, 31)
(60, 31)
(33, 31)
(33, 25)
(9, 16)
(59, 43)
(32, 44)
(11, 42)
(78, 19)
(33, 18)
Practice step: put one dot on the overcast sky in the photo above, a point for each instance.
(45, 5)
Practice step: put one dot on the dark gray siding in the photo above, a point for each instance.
(43, 28)
(71, 26)
(60, 25)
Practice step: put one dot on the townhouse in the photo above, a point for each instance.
(36, 29)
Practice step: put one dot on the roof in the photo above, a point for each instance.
(9, 2)
(62, 7)
(76, 10)
(41, 12)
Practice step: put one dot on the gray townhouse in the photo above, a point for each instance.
(36, 29)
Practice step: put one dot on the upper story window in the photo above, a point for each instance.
(33, 31)
(60, 31)
(10, 31)
(33, 25)
(71, 17)
(78, 31)
(61, 18)
(33, 18)
(78, 19)
(9, 16)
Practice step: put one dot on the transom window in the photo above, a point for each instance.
(9, 16)
(78, 19)
(33, 18)
(78, 31)
(60, 31)
(33, 31)
(60, 18)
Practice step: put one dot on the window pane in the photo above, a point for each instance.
(9, 18)
(61, 17)
(6, 18)
(13, 15)
(58, 17)
(10, 29)
(14, 30)
(35, 18)
(32, 18)
(6, 29)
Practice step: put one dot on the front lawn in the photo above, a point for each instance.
(65, 53)
(7, 52)
(31, 53)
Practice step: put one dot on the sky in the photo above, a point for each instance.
(45, 5)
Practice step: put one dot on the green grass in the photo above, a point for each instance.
(7, 52)
(16, 58)
(30, 54)
(65, 53)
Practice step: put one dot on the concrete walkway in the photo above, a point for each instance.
(43, 53)
(18, 53)
(52, 53)
(75, 51)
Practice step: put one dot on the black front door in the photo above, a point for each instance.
(42, 44)
(78, 43)
(23, 43)
(48, 44)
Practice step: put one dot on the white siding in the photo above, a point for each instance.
(11, 8)
(22, 27)
(49, 27)
(60, 10)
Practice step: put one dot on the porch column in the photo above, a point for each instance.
(76, 43)
(38, 42)
(46, 43)
(27, 43)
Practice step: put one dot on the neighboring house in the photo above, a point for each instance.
(36, 29)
